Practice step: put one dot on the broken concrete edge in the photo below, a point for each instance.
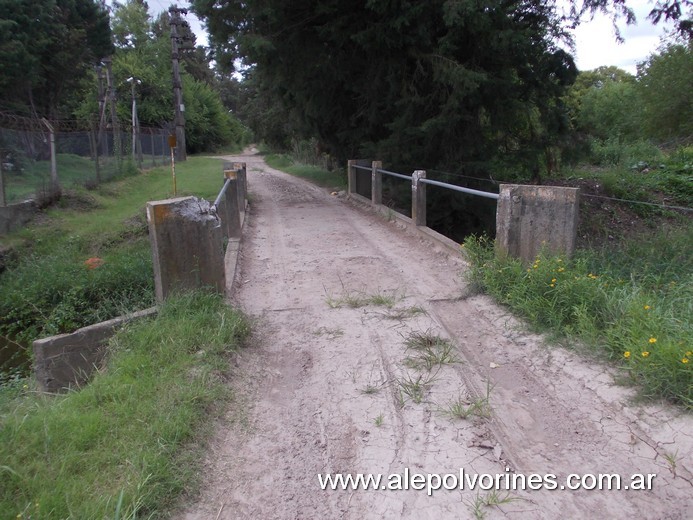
(68, 360)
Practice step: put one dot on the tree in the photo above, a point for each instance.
(664, 85)
(46, 49)
(432, 83)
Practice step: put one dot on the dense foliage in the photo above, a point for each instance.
(436, 82)
(46, 48)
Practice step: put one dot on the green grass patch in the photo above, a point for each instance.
(631, 303)
(121, 447)
(328, 179)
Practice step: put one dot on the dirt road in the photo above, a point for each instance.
(330, 386)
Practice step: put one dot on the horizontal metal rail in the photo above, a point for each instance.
(470, 191)
(454, 187)
(393, 174)
(213, 207)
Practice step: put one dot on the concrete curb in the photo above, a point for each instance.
(68, 360)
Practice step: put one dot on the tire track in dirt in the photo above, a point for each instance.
(318, 392)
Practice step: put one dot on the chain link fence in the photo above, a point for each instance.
(38, 158)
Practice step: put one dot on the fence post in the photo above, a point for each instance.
(55, 185)
(3, 199)
(376, 183)
(418, 198)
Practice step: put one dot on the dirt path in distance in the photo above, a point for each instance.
(329, 385)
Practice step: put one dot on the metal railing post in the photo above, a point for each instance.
(377, 183)
(418, 198)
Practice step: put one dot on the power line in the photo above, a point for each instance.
(680, 208)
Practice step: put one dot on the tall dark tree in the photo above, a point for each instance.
(432, 83)
(47, 47)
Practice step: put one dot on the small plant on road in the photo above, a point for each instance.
(494, 498)
(428, 351)
(414, 387)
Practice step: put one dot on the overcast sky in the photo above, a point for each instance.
(595, 41)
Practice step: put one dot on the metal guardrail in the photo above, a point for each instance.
(487, 194)
(213, 207)
(393, 174)
(423, 180)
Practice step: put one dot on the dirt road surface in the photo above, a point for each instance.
(329, 385)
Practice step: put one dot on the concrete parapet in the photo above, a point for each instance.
(67, 360)
(529, 218)
(230, 209)
(187, 246)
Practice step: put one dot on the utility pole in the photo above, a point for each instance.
(179, 107)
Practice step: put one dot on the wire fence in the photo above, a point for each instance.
(38, 157)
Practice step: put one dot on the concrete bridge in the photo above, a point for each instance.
(371, 356)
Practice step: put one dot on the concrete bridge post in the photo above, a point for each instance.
(376, 183)
(187, 246)
(230, 209)
(418, 198)
(530, 218)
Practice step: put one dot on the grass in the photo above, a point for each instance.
(358, 299)
(492, 499)
(403, 313)
(121, 447)
(328, 179)
(465, 408)
(631, 304)
(52, 288)
(428, 351)
(415, 387)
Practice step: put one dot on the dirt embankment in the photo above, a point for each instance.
(330, 385)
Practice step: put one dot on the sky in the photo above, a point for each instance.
(595, 41)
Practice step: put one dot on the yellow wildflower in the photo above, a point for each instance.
(561, 269)
(647, 307)
(553, 280)
(626, 354)
(652, 340)
(645, 354)
(684, 360)
(552, 285)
